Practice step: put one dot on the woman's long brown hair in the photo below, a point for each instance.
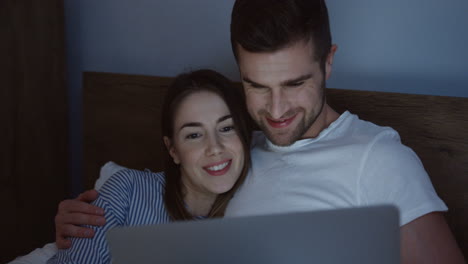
(184, 85)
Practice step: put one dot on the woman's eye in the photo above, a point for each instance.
(193, 136)
(227, 128)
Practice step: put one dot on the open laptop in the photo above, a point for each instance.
(360, 235)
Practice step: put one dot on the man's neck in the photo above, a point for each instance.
(324, 120)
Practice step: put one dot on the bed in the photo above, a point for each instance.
(121, 123)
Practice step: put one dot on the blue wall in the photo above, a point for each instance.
(416, 46)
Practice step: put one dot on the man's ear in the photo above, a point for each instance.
(329, 62)
(171, 150)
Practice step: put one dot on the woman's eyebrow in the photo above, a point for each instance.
(221, 119)
(198, 124)
(191, 124)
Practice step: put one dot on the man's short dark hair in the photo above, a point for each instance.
(271, 25)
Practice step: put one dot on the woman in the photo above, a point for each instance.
(208, 158)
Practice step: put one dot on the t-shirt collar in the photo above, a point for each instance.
(302, 142)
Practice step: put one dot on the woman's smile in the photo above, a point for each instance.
(219, 168)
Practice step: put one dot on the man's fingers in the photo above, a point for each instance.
(74, 231)
(76, 206)
(72, 213)
(62, 235)
(88, 196)
(79, 219)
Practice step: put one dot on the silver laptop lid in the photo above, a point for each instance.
(359, 235)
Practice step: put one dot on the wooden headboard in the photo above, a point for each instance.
(121, 123)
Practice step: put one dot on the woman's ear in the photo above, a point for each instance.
(171, 150)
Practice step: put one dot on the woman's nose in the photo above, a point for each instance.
(214, 146)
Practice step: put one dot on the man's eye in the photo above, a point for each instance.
(193, 136)
(257, 86)
(296, 84)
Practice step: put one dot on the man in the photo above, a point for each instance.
(309, 157)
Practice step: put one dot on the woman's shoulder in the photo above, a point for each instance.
(125, 175)
(138, 177)
(127, 181)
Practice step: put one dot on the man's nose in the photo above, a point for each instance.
(278, 103)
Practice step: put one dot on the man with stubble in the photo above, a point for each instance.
(307, 156)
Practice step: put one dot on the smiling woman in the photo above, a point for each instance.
(209, 150)
(207, 158)
(205, 131)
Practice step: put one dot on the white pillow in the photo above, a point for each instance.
(109, 169)
(37, 256)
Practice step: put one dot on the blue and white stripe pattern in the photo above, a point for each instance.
(129, 198)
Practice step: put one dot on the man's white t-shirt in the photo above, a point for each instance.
(351, 163)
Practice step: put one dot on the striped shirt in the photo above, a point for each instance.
(129, 198)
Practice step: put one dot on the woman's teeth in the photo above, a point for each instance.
(218, 167)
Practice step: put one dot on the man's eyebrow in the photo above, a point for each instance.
(297, 79)
(198, 124)
(247, 80)
(283, 83)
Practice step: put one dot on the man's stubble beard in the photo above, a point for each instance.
(302, 127)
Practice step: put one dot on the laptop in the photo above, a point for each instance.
(359, 235)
